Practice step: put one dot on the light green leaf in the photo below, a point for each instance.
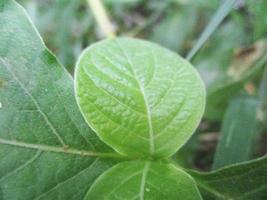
(240, 126)
(140, 98)
(144, 180)
(245, 181)
(46, 147)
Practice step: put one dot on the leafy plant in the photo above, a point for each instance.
(145, 102)
(141, 100)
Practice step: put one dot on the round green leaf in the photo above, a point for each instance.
(144, 181)
(140, 98)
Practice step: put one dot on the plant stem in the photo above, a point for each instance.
(101, 17)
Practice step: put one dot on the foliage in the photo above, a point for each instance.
(47, 149)
(147, 111)
(244, 181)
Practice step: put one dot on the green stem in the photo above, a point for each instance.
(101, 17)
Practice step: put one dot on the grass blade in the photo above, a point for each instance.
(218, 17)
(239, 128)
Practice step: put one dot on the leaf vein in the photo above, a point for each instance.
(149, 119)
(63, 182)
(114, 97)
(22, 166)
(59, 149)
(143, 180)
(45, 117)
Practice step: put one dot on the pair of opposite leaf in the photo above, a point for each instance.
(145, 102)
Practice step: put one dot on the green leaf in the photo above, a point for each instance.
(240, 126)
(218, 17)
(46, 146)
(244, 181)
(144, 180)
(141, 99)
(64, 27)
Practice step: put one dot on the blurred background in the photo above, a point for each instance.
(232, 62)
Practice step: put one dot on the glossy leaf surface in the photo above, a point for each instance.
(144, 180)
(140, 98)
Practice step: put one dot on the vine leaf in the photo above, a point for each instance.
(46, 146)
(141, 180)
(140, 98)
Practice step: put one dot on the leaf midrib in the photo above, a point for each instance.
(55, 149)
(143, 180)
(148, 112)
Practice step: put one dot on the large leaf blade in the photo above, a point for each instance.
(140, 98)
(45, 145)
(144, 180)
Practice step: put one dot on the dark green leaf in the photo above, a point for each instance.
(63, 25)
(47, 150)
(247, 181)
